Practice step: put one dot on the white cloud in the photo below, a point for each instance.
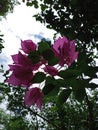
(21, 25)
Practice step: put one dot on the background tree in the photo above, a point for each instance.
(7, 6)
(73, 114)
(77, 20)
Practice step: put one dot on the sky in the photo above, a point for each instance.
(21, 25)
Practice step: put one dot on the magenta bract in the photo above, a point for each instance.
(65, 50)
(22, 70)
(28, 46)
(34, 96)
(51, 70)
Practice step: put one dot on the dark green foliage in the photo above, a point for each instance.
(63, 96)
(4, 7)
(38, 77)
(72, 114)
(17, 123)
(49, 56)
(43, 46)
(69, 73)
(51, 88)
(1, 47)
(75, 19)
(7, 6)
(1, 41)
(32, 3)
(34, 57)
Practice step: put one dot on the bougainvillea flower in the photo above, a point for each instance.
(34, 96)
(25, 61)
(50, 70)
(20, 75)
(65, 50)
(28, 46)
(17, 82)
(14, 81)
(22, 70)
(21, 59)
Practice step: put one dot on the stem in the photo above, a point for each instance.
(36, 114)
(91, 115)
(62, 115)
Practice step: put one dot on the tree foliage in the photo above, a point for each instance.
(7, 6)
(1, 41)
(75, 19)
(73, 115)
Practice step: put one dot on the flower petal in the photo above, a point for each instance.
(34, 96)
(13, 80)
(28, 46)
(51, 70)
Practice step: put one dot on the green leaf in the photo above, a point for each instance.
(53, 61)
(63, 96)
(33, 3)
(78, 88)
(50, 80)
(34, 57)
(39, 77)
(61, 83)
(92, 85)
(49, 55)
(79, 94)
(69, 73)
(43, 46)
(91, 71)
(80, 83)
(73, 2)
(50, 88)
(43, 7)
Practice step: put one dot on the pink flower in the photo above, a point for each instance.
(50, 70)
(65, 50)
(21, 59)
(22, 70)
(18, 82)
(25, 61)
(34, 96)
(28, 46)
(13, 80)
(20, 76)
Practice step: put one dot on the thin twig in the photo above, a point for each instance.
(91, 115)
(36, 114)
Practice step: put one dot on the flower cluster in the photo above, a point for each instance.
(42, 59)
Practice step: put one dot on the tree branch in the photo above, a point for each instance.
(92, 125)
(36, 114)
